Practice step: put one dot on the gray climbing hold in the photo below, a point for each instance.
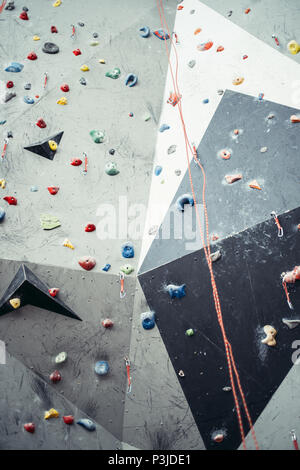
(144, 32)
(80, 24)
(27, 86)
(50, 48)
(177, 172)
(215, 256)
(8, 96)
(82, 80)
(291, 323)
(10, 6)
(172, 149)
(192, 63)
(34, 189)
(87, 424)
(220, 92)
(61, 357)
(226, 389)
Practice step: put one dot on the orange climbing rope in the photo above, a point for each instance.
(233, 372)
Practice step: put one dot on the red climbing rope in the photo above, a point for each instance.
(233, 372)
(287, 295)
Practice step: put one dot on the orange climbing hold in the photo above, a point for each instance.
(254, 185)
(295, 118)
(197, 31)
(220, 49)
(233, 178)
(247, 10)
(225, 154)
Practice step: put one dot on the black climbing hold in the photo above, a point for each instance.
(50, 48)
(95, 35)
(9, 95)
(10, 6)
(80, 24)
(82, 81)
(25, 9)
(111, 151)
(9, 135)
(27, 288)
(43, 148)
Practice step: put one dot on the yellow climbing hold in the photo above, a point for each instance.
(15, 303)
(62, 101)
(68, 244)
(52, 145)
(84, 68)
(2, 183)
(102, 61)
(270, 335)
(57, 3)
(36, 38)
(238, 80)
(52, 413)
(293, 47)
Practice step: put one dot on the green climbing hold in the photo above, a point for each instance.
(111, 169)
(115, 73)
(127, 269)
(97, 136)
(48, 222)
(189, 332)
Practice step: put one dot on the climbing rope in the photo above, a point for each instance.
(233, 372)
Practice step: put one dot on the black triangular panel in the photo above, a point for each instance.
(27, 287)
(42, 148)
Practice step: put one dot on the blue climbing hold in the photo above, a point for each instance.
(148, 320)
(2, 214)
(205, 101)
(144, 32)
(3, 122)
(131, 80)
(164, 127)
(101, 368)
(161, 34)
(176, 291)
(127, 250)
(14, 67)
(106, 267)
(87, 424)
(28, 100)
(158, 170)
(184, 199)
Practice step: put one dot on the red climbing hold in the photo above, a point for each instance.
(90, 228)
(54, 29)
(68, 419)
(29, 427)
(32, 56)
(12, 201)
(65, 87)
(76, 162)
(247, 10)
(53, 292)
(55, 377)
(220, 49)
(87, 262)
(41, 123)
(77, 52)
(9, 84)
(23, 15)
(107, 323)
(53, 190)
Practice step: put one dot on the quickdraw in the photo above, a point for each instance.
(73, 31)
(127, 363)
(294, 439)
(85, 163)
(176, 38)
(290, 277)
(174, 99)
(46, 79)
(4, 148)
(122, 290)
(280, 229)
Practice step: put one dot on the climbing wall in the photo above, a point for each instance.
(102, 239)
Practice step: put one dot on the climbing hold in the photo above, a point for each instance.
(61, 357)
(97, 136)
(247, 11)
(220, 92)
(205, 101)
(189, 332)
(52, 413)
(181, 373)
(144, 32)
(2, 214)
(82, 81)
(36, 38)
(87, 262)
(57, 3)
(176, 291)
(15, 303)
(164, 127)
(220, 49)
(293, 47)
(29, 427)
(225, 154)
(158, 170)
(77, 52)
(2, 183)
(270, 335)
(10, 6)
(49, 222)
(23, 16)
(32, 56)
(28, 100)
(226, 389)
(192, 63)
(9, 84)
(27, 86)
(127, 250)
(54, 29)
(2, 122)
(130, 114)
(65, 87)
(107, 323)
(184, 199)
(127, 269)
(8, 96)
(34, 189)
(53, 190)
(68, 419)
(205, 46)
(53, 291)
(263, 149)
(295, 118)
(95, 35)
(41, 123)
(12, 201)
(245, 57)
(115, 73)
(52, 145)
(293, 323)
(218, 436)
(50, 48)
(232, 178)
(148, 320)
(238, 80)
(261, 96)
(68, 244)
(46, 148)
(94, 43)
(215, 256)
(14, 67)
(87, 424)
(63, 101)
(111, 151)
(172, 149)
(84, 68)
(131, 80)
(291, 276)
(254, 185)
(146, 117)
(80, 24)
(76, 162)
(90, 228)
(106, 267)
(102, 61)
(111, 169)
(197, 31)
(55, 377)
(161, 34)
(101, 367)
